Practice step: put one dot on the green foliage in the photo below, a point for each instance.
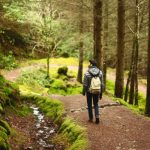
(1, 109)
(8, 92)
(36, 81)
(3, 129)
(33, 77)
(141, 98)
(7, 62)
(5, 125)
(14, 12)
(3, 135)
(110, 87)
(3, 144)
(23, 110)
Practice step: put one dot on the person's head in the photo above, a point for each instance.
(93, 62)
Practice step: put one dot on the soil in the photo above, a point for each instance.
(119, 128)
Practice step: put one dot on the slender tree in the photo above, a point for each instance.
(119, 83)
(97, 14)
(105, 40)
(133, 71)
(81, 30)
(147, 107)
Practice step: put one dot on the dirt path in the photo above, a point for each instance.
(119, 128)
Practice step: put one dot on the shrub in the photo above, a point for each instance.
(63, 70)
(64, 55)
(7, 62)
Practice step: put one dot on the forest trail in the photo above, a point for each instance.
(119, 128)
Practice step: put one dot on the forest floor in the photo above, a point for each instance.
(119, 128)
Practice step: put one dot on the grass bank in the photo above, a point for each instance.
(9, 94)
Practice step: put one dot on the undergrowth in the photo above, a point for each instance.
(36, 82)
(141, 98)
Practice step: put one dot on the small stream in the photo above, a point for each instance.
(45, 130)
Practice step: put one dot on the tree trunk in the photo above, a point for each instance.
(81, 53)
(48, 58)
(137, 50)
(97, 14)
(127, 85)
(105, 41)
(147, 107)
(134, 74)
(119, 83)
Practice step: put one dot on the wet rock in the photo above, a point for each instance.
(29, 148)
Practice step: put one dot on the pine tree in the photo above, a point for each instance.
(119, 83)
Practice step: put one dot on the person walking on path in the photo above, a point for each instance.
(93, 96)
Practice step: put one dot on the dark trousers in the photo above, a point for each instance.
(92, 98)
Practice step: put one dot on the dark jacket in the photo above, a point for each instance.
(92, 71)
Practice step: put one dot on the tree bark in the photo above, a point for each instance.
(119, 83)
(137, 50)
(105, 41)
(133, 99)
(147, 107)
(81, 44)
(97, 14)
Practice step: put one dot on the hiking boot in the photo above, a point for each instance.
(97, 121)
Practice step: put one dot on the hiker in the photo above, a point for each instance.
(93, 95)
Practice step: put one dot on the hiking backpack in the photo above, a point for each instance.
(95, 87)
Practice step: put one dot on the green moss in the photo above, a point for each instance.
(81, 143)
(52, 108)
(75, 134)
(58, 84)
(63, 70)
(6, 126)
